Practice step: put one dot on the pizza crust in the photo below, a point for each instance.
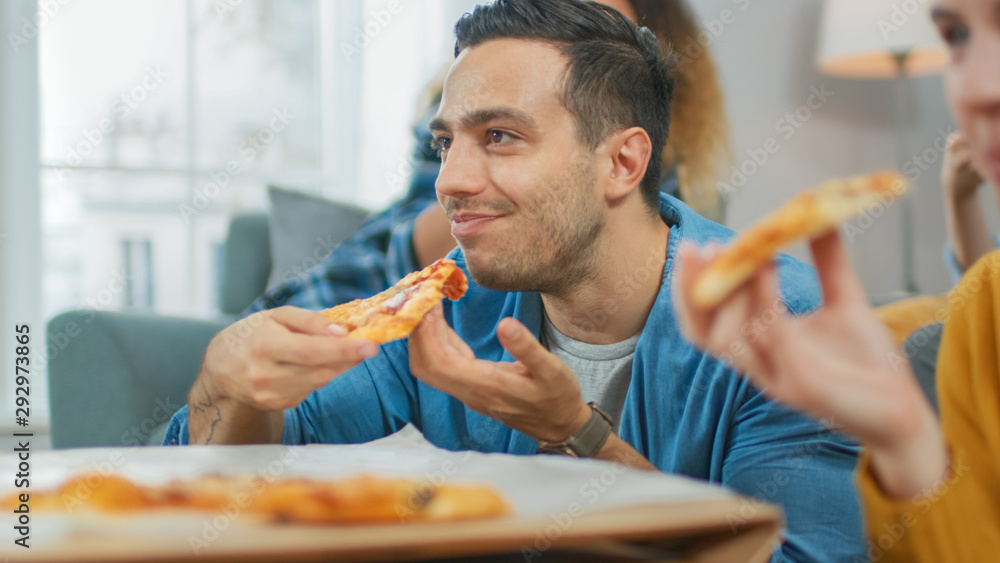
(396, 312)
(811, 213)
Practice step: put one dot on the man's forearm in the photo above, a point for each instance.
(219, 420)
(618, 450)
(968, 232)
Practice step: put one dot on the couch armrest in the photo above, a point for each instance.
(115, 377)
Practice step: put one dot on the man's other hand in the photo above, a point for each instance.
(538, 395)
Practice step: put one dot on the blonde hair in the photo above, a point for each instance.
(699, 143)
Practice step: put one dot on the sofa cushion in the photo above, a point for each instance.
(304, 229)
(246, 263)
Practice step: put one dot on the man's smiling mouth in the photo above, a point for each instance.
(464, 224)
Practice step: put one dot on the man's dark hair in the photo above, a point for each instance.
(617, 76)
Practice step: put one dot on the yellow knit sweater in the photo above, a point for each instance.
(959, 519)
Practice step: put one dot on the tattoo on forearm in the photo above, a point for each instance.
(209, 409)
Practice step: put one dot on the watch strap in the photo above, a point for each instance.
(587, 442)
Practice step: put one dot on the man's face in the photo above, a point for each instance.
(520, 190)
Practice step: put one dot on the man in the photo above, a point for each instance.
(550, 129)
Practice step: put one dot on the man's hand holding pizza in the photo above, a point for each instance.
(537, 395)
(263, 364)
(272, 360)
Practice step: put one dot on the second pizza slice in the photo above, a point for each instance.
(811, 213)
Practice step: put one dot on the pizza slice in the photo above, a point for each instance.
(364, 499)
(374, 500)
(811, 213)
(396, 312)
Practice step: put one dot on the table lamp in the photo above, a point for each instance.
(885, 39)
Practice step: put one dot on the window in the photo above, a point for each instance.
(138, 273)
(161, 119)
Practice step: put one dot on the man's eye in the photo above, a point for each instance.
(498, 137)
(441, 144)
(955, 35)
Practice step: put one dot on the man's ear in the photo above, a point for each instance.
(629, 152)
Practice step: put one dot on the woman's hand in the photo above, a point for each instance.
(968, 232)
(959, 178)
(838, 364)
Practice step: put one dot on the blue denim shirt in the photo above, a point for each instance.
(686, 412)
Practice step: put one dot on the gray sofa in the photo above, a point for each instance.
(115, 378)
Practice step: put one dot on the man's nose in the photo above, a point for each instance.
(463, 171)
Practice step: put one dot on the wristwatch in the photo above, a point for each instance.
(587, 442)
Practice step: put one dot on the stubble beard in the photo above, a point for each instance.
(557, 240)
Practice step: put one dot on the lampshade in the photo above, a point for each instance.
(860, 38)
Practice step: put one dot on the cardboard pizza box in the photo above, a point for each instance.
(562, 510)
